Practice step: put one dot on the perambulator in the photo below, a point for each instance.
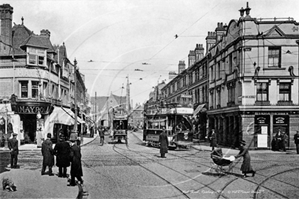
(220, 163)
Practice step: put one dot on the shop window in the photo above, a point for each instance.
(24, 89)
(262, 92)
(35, 89)
(274, 54)
(284, 92)
(36, 57)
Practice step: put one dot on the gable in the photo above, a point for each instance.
(275, 31)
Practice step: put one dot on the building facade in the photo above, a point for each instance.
(35, 76)
(253, 81)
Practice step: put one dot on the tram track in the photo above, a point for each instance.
(259, 185)
(182, 174)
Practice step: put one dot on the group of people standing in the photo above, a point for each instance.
(279, 141)
(67, 154)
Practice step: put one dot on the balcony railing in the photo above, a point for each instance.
(262, 103)
(285, 103)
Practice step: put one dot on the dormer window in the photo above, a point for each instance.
(36, 56)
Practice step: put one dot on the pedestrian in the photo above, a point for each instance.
(101, 134)
(246, 165)
(296, 140)
(164, 143)
(13, 146)
(213, 140)
(62, 152)
(48, 155)
(75, 158)
(280, 140)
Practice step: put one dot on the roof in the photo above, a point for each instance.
(20, 33)
(39, 41)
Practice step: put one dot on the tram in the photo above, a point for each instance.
(120, 127)
(177, 123)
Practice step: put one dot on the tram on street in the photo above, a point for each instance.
(175, 121)
(119, 128)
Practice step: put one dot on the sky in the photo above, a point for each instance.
(113, 40)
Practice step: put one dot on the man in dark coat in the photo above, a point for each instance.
(62, 152)
(246, 165)
(296, 140)
(101, 134)
(164, 143)
(75, 157)
(48, 155)
(213, 140)
(13, 146)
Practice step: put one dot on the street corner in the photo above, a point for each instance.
(31, 184)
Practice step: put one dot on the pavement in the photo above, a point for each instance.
(31, 184)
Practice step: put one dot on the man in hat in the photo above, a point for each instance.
(13, 146)
(62, 152)
(164, 143)
(48, 155)
(246, 165)
(75, 158)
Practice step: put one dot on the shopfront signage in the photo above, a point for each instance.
(281, 119)
(23, 109)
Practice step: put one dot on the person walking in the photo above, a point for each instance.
(75, 158)
(164, 143)
(13, 146)
(101, 134)
(296, 140)
(62, 152)
(246, 165)
(48, 155)
(213, 140)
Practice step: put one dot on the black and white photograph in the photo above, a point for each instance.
(149, 99)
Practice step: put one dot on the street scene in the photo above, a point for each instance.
(149, 99)
(117, 170)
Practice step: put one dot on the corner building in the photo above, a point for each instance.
(253, 81)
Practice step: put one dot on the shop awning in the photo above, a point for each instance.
(200, 108)
(5, 108)
(63, 116)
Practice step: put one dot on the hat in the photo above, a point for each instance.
(73, 137)
(15, 134)
(242, 142)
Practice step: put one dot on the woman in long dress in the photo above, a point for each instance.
(246, 165)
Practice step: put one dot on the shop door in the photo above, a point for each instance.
(281, 122)
(262, 131)
(29, 126)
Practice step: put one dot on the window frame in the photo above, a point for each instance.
(287, 91)
(260, 91)
(272, 56)
(36, 56)
(21, 89)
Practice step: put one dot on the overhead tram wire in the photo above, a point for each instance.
(178, 35)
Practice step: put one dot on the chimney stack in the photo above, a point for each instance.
(6, 12)
(199, 51)
(45, 33)
(181, 66)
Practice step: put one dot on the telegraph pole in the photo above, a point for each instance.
(75, 100)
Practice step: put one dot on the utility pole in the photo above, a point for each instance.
(75, 100)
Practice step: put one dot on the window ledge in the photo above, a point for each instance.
(273, 68)
(285, 103)
(262, 103)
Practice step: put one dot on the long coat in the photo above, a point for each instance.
(48, 153)
(213, 140)
(246, 165)
(75, 156)
(62, 152)
(14, 146)
(164, 143)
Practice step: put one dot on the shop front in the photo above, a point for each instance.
(267, 124)
(32, 116)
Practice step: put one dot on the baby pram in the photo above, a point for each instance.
(221, 164)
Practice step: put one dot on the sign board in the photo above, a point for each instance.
(182, 110)
(262, 141)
